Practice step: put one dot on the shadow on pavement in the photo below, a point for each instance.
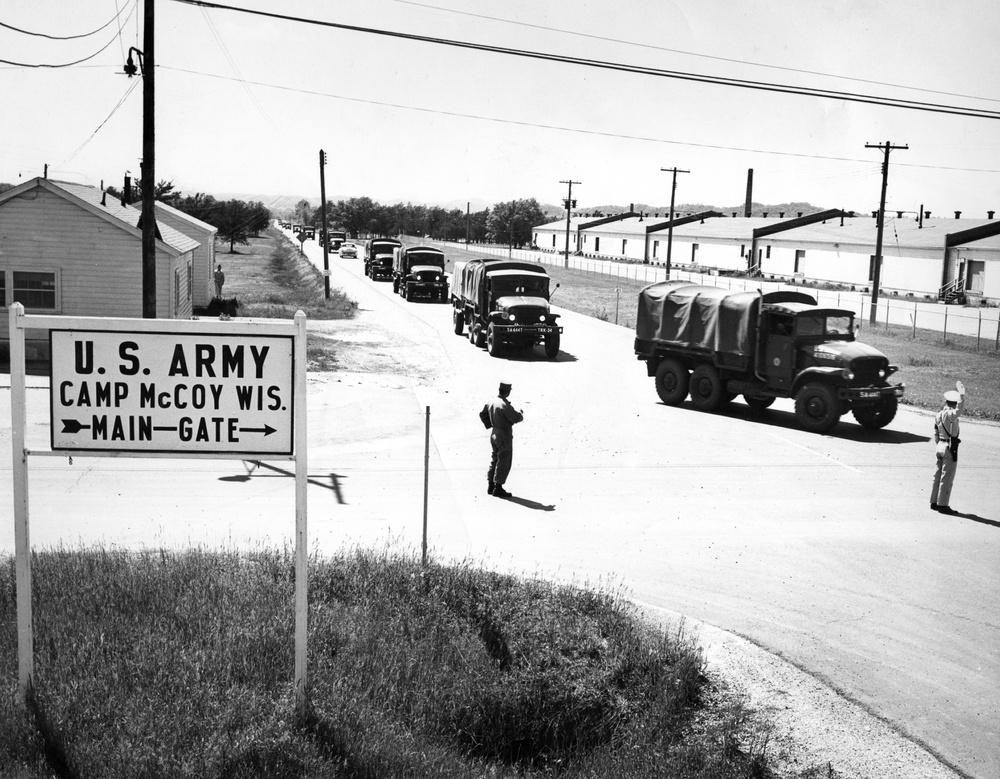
(846, 429)
(531, 504)
(975, 518)
(252, 465)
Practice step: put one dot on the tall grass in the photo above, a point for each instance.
(160, 664)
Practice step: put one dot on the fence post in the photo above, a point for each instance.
(617, 290)
(915, 309)
(944, 330)
(427, 459)
(979, 329)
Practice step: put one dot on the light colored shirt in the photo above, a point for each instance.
(503, 415)
(946, 424)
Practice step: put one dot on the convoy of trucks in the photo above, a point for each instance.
(714, 345)
(504, 305)
(418, 272)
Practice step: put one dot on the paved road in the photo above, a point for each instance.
(819, 548)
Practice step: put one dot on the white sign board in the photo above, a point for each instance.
(172, 392)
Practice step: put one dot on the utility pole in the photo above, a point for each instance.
(877, 273)
(570, 204)
(467, 205)
(326, 233)
(670, 224)
(148, 167)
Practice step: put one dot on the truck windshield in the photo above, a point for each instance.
(535, 285)
(427, 259)
(824, 325)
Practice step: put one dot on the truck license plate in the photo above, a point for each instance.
(870, 394)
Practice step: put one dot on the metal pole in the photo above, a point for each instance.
(427, 461)
(301, 522)
(326, 233)
(22, 539)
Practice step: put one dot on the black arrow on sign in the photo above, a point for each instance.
(266, 430)
(73, 426)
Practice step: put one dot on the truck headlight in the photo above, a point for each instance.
(848, 374)
(881, 373)
(541, 318)
(512, 317)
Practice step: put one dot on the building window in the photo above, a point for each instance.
(34, 289)
(190, 272)
(743, 249)
(767, 254)
(3, 288)
(694, 253)
(553, 240)
(656, 246)
(800, 255)
(624, 244)
(597, 243)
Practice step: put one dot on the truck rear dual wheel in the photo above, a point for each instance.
(672, 381)
(708, 393)
(457, 319)
(818, 408)
(878, 416)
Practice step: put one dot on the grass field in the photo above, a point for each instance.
(161, 664)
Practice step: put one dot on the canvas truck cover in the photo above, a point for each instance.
(712, 319)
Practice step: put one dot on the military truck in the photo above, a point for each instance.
(378, 257)
(418, 272)
(716, 344)
(504, 304)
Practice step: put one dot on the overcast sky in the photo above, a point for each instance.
(245, 102)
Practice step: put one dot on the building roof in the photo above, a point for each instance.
(186, 218)
(106, 206)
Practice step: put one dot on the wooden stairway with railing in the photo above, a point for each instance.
(953, 291)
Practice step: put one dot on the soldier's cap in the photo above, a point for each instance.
(952, 396)
(504, 386)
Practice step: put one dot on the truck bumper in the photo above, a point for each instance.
(427, 289)
(862, 395)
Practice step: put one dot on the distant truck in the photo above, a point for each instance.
(504, 304)
(378, 258)
(418, 272)
(716, 344)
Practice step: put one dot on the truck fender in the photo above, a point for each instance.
(827, 374)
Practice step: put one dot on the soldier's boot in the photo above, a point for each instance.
(500, 492)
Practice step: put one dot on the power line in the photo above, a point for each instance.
(621, 67)
(75, 62)
(64, 37)
(559, 128)
(690, 53)
(132, 85)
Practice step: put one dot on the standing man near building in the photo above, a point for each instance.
(946, 438)
(503, 416)
(220, 279)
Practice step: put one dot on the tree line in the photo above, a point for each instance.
(508, 223)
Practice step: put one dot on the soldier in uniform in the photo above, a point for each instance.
(946, 438)
(503, 416)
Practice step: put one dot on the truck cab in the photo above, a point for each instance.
(378, 257)
(418, 271)
(505, 305)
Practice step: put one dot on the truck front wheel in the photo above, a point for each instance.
(817, 408)
(877, 417)
(707, 390)
(672, 382)
(493, 343)
(552, 345)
